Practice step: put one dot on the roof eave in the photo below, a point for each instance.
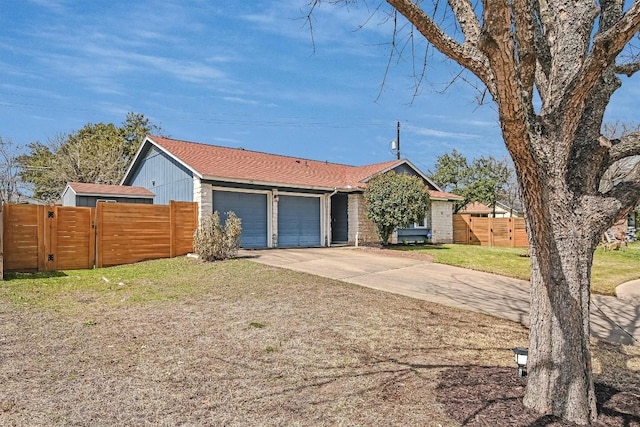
(411, 165)
(278, 184)
(444, 199)
(148, 139)
(129, 196)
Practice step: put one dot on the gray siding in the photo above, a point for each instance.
(164, 176)
(90, 201)
(404, 169)
(69, 198)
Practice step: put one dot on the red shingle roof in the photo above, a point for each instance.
(84, 189)
(211, 161)
(441, 195)
(237, 164)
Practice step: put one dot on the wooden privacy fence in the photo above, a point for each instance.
(504, 232)
(49, 238)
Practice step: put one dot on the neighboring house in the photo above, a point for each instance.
(81, 194)
(282, 201)
(478, 209)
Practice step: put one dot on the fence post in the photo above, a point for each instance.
(98, 235)
(93, 228)
(42, 250)
(172, 228)
(492, 241)
(1, 242)
(512, 234)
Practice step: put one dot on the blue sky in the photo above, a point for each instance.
(239, 74)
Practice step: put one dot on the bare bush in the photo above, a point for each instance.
(212, 241)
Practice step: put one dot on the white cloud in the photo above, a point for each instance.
(57, 6)
(440, 134)
(238, 100)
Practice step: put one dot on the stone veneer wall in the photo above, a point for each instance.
(203, 195)
(360, 226)
(441, 221)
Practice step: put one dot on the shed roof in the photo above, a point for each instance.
(86, 189)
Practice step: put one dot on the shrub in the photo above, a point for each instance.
(395, 200)
(212, 241)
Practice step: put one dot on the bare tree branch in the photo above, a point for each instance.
(542, 48)
(543, 52)
(466, 16)
(626, 146)
(526, 46)
(499, 43)
(624, 195)
(466, 54)
(627, 69)
(606, 47)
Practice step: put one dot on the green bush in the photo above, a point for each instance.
(212, 241)
(395, 200)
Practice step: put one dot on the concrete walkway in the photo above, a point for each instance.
(457, 287)
(629, 291)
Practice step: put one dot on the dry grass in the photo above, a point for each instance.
(236, 343)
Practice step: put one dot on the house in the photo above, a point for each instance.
(82, 194)
(282, 201)
(478, 209)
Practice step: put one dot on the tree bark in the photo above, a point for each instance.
(559, 366)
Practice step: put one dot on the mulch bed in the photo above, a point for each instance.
(492, 396)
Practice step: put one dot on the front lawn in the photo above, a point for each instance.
(610, 268)
(236, 343)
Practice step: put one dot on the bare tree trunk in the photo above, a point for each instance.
(562, 244)
(560, 360)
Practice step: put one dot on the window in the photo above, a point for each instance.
(420, 224)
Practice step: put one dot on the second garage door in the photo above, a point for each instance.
(298, 221)
(251, 208)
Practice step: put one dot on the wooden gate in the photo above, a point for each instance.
(70, 238)
(47, 238)
(504, 232)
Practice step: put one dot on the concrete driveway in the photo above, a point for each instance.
(457, 287)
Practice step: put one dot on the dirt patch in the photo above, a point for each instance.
(250, 344)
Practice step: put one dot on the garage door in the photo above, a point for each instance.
(251, 208)
(298, 221)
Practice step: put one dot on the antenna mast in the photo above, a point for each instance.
(398, 141)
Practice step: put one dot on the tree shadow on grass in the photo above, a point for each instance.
(34, 275)
(417, 247)
(480, 396)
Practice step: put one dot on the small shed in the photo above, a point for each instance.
(83, 194)
(477, 209)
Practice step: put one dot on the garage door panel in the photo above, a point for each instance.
(298, 221)
(251, 208)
